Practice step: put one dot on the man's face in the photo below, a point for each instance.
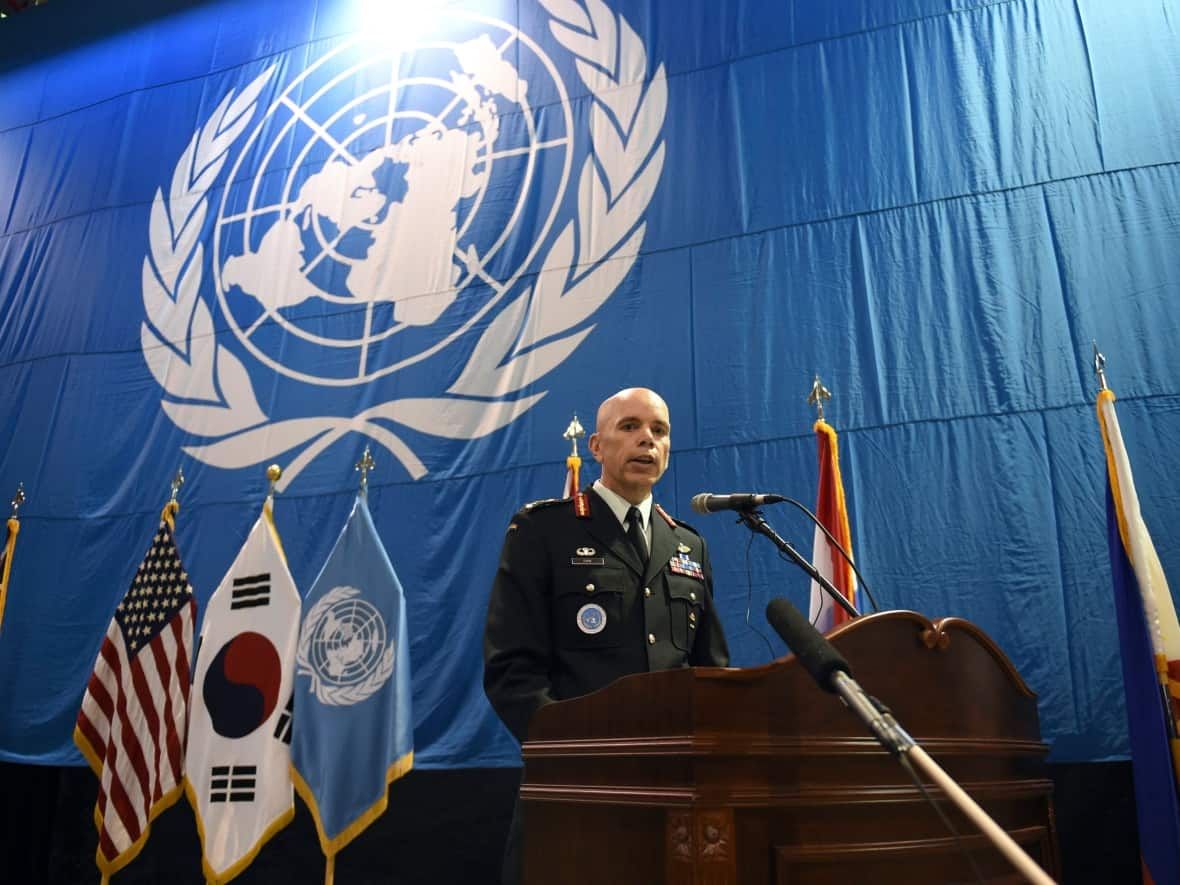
(632, 442)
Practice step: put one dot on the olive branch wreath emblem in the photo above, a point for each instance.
(207, 389)
(338, 695)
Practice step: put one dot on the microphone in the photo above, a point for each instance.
(817, 656)
(707, 503)
(832, 673)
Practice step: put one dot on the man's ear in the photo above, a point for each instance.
(592, 445)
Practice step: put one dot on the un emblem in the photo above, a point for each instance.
(388, 204)
(345, 648)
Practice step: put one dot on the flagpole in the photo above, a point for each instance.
(170, 510)
(363, 466)
(273, 474)
(10, 546)
(818, 396)
(1100, 367)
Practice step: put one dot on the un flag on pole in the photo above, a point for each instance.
(353, 730)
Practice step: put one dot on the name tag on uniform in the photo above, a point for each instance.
(682, 565)
(587, 560)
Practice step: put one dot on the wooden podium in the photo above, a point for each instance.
(713, 776)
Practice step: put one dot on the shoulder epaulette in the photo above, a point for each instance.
(544, 502)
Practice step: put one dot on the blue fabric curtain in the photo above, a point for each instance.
(220, 248)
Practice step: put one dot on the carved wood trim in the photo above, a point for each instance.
(762, 746)
(700, 847)
(804, 797)
(870, 852)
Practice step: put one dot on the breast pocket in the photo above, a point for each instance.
(686, 597)
(588, 607)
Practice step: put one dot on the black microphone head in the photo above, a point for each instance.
(818, 656)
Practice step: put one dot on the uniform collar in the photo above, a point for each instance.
(619, 505)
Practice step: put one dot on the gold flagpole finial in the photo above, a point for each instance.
(572, 433)
(18, 499)
(819, 394)
(273, 473)
(173, 506)
(364, 465)
(1100, 367)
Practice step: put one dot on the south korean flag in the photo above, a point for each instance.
(237, 763)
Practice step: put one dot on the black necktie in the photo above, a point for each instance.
(635, 533)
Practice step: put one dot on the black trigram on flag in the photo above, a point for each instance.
(232, 783)
(283, 726)
(250, 592)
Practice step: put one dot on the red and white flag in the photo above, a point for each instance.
(132, 722)
(830, 507)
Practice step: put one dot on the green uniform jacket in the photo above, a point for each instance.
(572, 610)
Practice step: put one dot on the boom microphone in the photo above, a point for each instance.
(707, 503)
(818, 656)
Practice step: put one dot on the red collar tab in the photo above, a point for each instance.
(582, 505)
(660, 510)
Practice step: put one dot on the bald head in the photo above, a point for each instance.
(632, 441)
(628, 397)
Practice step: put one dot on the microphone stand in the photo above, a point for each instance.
(755, 522)
(898, 742)
(831, 672)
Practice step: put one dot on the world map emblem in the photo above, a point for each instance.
(345, 647)
(392, 209)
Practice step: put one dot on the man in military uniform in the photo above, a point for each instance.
(603, 584)
(600, 585)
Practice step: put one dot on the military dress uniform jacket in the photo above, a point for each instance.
(572, 609)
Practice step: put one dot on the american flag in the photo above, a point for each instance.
(132, 723)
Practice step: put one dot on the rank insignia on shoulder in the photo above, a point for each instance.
(664, 515)
(682, 565)
(581, 505)
(544, 502)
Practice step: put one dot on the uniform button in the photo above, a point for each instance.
(647, 591)
(589, 588)
(651, 639)
(692, 616)
(693, 596)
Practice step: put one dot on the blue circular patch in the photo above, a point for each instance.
(591, 618)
